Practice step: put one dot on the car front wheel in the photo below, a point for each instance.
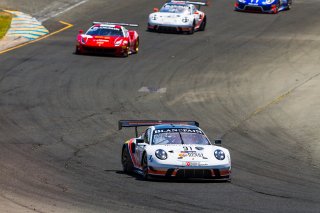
(126, 161)
(145, 173)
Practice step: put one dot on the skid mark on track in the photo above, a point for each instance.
(12, 200)
(269, 105)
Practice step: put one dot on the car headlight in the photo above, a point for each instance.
(83, 40)
(185, 20)
(219, 154)
(161, 154)
(118, 43)
(269, 1)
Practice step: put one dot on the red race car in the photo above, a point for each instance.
(108, 38)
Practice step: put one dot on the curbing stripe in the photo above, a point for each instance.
(28, 31)
(23, 25)
(41, 38)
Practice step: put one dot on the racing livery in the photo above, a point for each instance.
(178, 16)
(263, 6)
(108, 38)
(176, 149)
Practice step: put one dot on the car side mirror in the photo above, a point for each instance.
(217, 142)
(139, 140)
(80, 31)
(155, 10)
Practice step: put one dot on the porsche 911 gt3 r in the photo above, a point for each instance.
(108, 38)
(178, 16)
(263, 6)
(177, 149)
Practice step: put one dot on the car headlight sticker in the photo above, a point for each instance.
(154, 17)
(219, 154)
(269, 1)
(83, 40)
(161, 154)
(118, 43)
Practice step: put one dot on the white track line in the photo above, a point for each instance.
(67, 9)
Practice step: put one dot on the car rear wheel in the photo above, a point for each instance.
(203, 24)
(145, 173)
(126, 161)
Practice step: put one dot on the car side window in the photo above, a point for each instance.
(193, 10)
(125, 32)
(146, 136)
(149, 136)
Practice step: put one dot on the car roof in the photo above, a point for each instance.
(170, 126)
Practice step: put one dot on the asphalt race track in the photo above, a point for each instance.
(251, 79)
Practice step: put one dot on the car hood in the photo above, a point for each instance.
(169, 15)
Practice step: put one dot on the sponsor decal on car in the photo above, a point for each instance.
(192, 163)
(190, 154)
(184, 130)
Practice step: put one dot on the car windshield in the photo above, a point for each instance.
(174, 8)
(179, 136)
(104, 31)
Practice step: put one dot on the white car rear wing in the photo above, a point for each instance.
(139, 123)
(197, 3)
(112, 23)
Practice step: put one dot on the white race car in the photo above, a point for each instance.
(177, 149)
(178, 16)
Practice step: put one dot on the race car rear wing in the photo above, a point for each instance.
(112, 23)
(199, 4)
(139, 123)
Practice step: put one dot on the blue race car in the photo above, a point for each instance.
(262, 6)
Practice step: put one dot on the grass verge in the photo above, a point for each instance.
(5, 21)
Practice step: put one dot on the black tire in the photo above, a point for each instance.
(289, 4)
(77, 52)
(203, 24)
(126, 161)
(192, 29)
(136, 47)
(145, 174)
(126, 52)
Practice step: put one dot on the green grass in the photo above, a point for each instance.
(5, 21)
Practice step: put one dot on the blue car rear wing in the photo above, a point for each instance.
(139, 123)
